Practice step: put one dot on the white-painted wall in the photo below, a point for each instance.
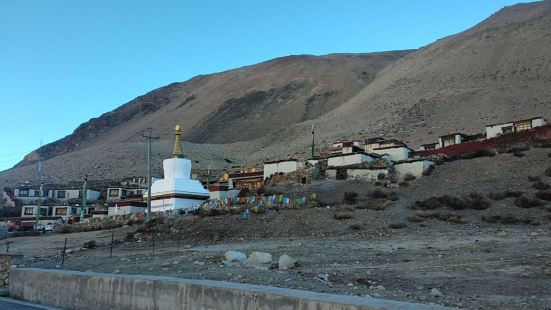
(370, 146)
(349, 159)
(395, 153)
(91, 195)
(347, 150)
(331, 174)
(496, 130)
(159, 205)
(217, 195)
(128, 191)
(457, 140)
(284, 166)
(124, 210)
(365, 174)
(539, 122)
(33, 208)
(415, 168)
(31, 195)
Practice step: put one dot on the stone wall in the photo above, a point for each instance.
(414, 168)
(370, 175)
(5, 263)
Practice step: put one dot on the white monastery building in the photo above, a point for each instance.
(495, 130)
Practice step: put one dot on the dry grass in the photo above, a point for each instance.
(540, 185)
(343, 216)
(374, 204)
(350, 197)
(473, 201)
(398, 225)
(526, 202)
(544, 195)
(509, 219)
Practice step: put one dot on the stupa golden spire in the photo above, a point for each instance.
(177, 151)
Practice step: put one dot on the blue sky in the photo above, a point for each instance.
(64, 62)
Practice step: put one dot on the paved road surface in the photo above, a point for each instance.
(12, 304)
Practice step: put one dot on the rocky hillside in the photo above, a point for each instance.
(499, 70)
(233, 106)
(496, 71)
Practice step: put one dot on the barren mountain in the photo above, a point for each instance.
(498, 70)
(235, 105)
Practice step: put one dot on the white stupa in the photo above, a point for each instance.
(177, 190)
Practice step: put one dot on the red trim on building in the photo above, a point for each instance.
(217, 188)
(247, 174)
(186, 196)
(537, 134)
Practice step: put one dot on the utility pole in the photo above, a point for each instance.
(208, 178)
(312, 147)
(149, 136)
(39, 202)
(84, 198)
(39, 195)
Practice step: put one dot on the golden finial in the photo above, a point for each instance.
(177, 151)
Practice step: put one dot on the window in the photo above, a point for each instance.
(139, 192)
(23, 192)
(114, 192)
(60, 194)
(523, 126)
(507, 129)
(37, 193)
(29, 211)
(448, 141)
(61, 211)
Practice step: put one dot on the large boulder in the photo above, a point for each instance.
(233, 257)
(287, 262)
(259, 260)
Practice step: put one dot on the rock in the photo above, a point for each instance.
(90, 244)
(164, 264)
(231, 264)
(117, 271)
(435, 292)
(380, 287)
(287, 262)
(137, 236)
(259, 260)
(501, 233)
(199, 263)
(398, 225)
(323, 277)
(235, 257)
